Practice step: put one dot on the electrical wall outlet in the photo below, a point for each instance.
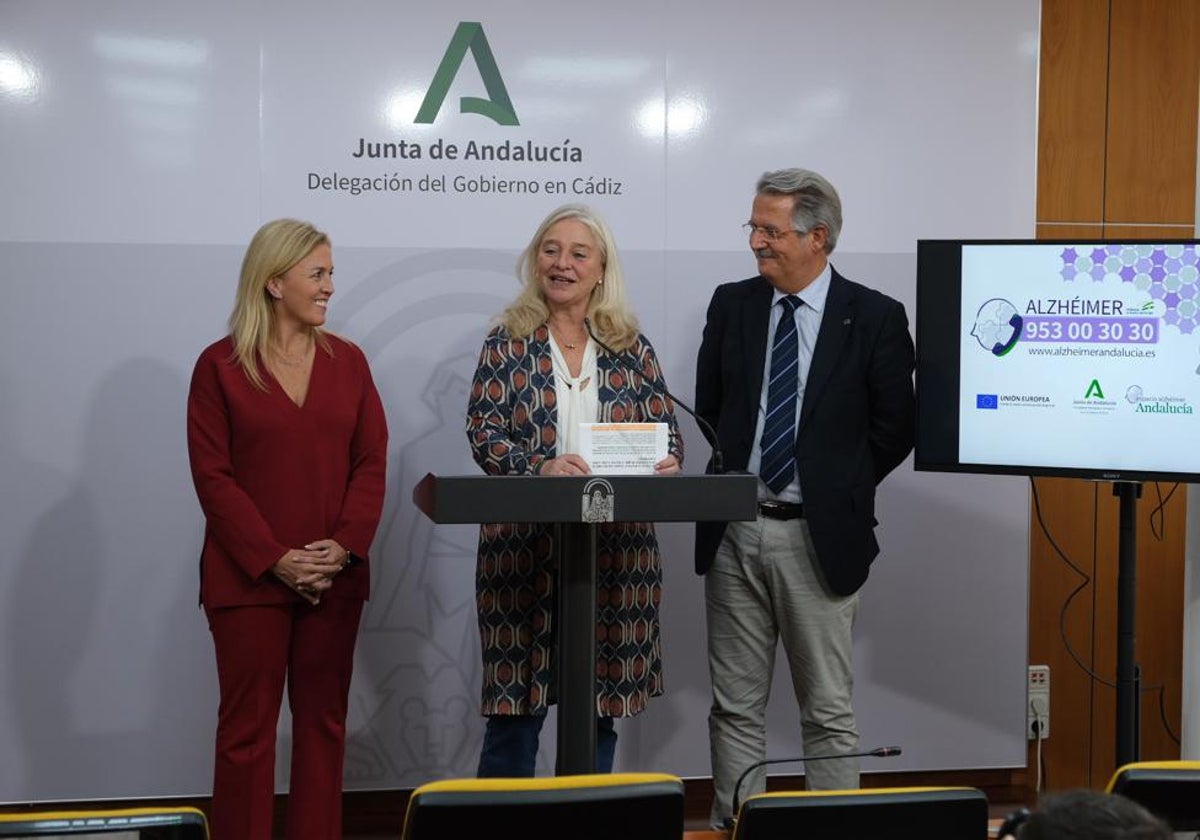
(1037, 704)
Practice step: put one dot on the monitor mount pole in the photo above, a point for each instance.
(1128, 673)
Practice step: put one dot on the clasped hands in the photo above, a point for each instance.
(309, 571)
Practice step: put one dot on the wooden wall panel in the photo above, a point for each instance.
(1102, 231)
(1076, 231)
(1162, 530)
(1058, 541)
(1149, 231)
(1143, 56)
(1072, 91)
(1159, 641)
(1081, 531)
(1150, 178)
(1151, 138)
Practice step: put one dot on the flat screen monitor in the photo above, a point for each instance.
(1067, 358)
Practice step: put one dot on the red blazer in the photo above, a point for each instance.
(272, 475)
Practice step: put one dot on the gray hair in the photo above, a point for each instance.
(815, 202)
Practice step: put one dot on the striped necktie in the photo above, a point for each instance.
(778, 443)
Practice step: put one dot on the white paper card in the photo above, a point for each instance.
(623, 448)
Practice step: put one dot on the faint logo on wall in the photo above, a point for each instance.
(415, 699)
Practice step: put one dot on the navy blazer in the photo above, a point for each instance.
(856, 422)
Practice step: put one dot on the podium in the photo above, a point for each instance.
(577, 506)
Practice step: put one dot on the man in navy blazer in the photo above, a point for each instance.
(807, 379)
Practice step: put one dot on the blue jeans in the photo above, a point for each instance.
(510, 744)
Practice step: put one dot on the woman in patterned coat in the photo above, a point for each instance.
(540, 374)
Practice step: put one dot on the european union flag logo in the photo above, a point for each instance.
(991, 401)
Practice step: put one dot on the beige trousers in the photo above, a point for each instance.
(765, 586)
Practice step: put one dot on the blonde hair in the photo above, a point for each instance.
(609, 312)
(275, 248)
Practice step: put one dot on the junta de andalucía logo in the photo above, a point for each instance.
(497, 107)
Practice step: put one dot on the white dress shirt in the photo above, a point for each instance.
(808, 324)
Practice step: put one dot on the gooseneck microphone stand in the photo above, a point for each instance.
(878, 752)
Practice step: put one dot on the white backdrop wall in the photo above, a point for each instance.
(143, 142)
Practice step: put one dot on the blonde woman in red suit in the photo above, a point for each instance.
(288, 443)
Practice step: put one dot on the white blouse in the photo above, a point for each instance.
(578, 396)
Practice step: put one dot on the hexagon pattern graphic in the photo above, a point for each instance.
(1169, 273)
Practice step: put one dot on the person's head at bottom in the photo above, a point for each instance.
(1091, 815)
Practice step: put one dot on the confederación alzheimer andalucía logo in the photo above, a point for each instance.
(997, 326)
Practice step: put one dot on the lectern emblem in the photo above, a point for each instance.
(598, 499)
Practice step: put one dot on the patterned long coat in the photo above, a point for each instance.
(511, 418)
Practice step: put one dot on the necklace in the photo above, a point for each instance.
(564, 342)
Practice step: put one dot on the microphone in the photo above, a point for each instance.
(878, 752)
(710, 434)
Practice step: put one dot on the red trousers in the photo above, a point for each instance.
(258, 649)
